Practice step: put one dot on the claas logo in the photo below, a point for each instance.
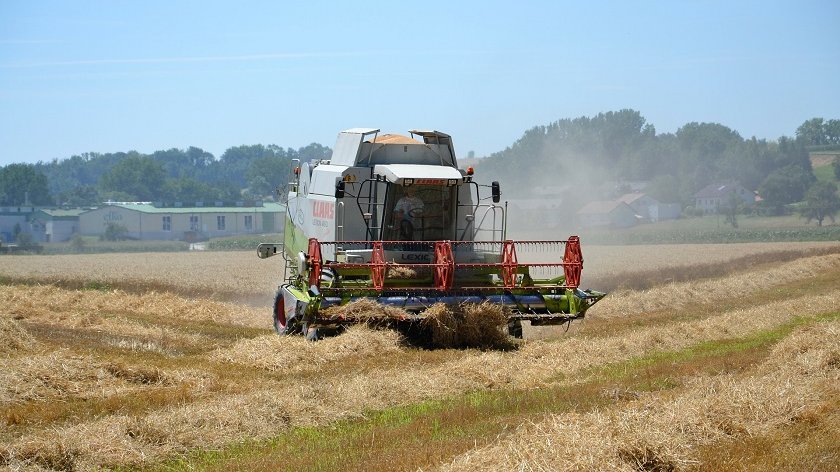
(324, 210)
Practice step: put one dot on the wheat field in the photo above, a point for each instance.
(170, 363)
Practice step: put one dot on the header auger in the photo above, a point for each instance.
(392, 219)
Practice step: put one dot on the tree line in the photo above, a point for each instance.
(574, 157)
(577, 158)
(247, 172)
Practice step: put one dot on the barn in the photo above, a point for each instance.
(55, 224)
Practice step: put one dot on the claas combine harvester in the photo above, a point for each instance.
(393, 219)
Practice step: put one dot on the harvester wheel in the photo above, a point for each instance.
(281, 324)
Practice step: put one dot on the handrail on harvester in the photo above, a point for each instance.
(444, 263)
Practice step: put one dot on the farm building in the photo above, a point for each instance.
(649, 208)
(612, 214)
(14, 219)
(52, 225)
(713, 196)
(149, 221)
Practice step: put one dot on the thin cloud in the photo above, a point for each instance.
(173, 60)
(29, 41)
(199, 59)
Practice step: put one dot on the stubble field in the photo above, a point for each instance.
(702, 357)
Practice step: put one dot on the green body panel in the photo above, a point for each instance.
(294, 240)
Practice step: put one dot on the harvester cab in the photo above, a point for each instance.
(393, 219)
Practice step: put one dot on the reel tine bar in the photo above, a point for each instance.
(377, 266)
(573, 262)
(509, 264)
(315, 262)
(444, 265)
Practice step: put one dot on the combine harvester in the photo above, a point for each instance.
(392, 219)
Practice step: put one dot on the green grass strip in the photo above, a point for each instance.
(713, 348)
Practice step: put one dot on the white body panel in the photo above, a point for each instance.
(419, 174)
(347, 145)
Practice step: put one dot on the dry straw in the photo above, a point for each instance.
(272, 406)
(268, 404)
(232, 275)
(365, 310)
(480, 326)
(56, 375)
(50, 304)
(14, 338)
(661, 431)
(295, 354)
(674, 296)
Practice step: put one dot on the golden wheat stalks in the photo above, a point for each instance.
(662, 431)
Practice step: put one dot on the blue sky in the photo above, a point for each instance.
(108, 76)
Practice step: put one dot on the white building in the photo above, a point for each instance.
(712, 197)
(148, 221)
(650, 208)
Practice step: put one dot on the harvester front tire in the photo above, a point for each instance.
(281, 324)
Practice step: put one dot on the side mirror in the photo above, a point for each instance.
(497, 192)
(339, 189)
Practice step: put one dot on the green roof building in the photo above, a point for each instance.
(189, 223)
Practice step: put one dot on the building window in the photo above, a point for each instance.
(220, 222)
(194, 223)
(249, 222)
(167, 223)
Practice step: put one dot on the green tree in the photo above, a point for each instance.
(266, 174)
(784, 186)
(188, 190)
(235, 161)
(731, 208)
(821, 202)
(83, 195)
(184, 163)
(78, 243)
(665, 188)
(832, 131)
(23, 183)
(140, 177)
(312, 152)
(812, 132)
(114, 232)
